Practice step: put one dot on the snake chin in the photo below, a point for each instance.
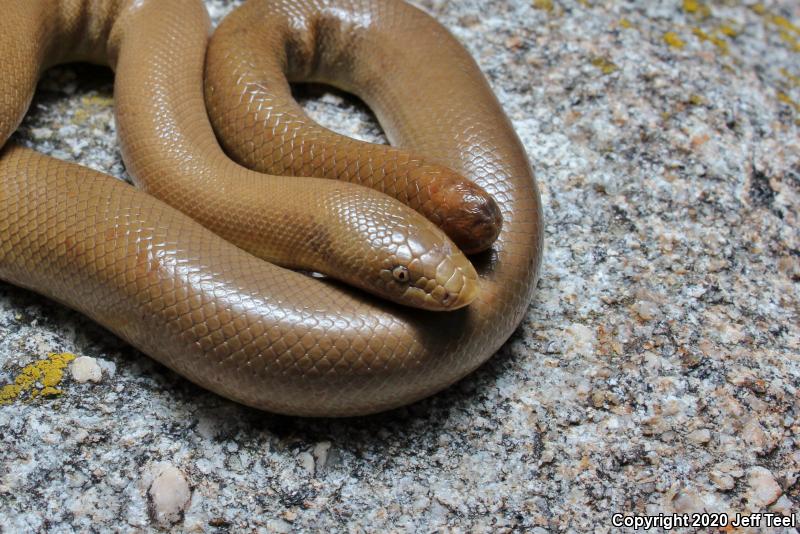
(457, 292)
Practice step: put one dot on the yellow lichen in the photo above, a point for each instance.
(730, 31)
(696, 8)
(719, 42)
(672, 39)
(696, 100)
(546, 5)
(789, 38)
(40, 378)
(97, 101)
(784, 23)
(786, 29)
(791, 77)
(786, 99)
(605, 65)
(625, 23)
(83, 116)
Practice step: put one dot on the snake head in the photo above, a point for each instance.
(432, 276)
(393, 252)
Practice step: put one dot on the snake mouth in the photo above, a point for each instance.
(464, 297)
(453, 287)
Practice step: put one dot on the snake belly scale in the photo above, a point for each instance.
(171, 267)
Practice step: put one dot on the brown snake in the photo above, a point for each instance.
(185, 292)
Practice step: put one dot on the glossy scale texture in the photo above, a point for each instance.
(359, 47)
(195, 301)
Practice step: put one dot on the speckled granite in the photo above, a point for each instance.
(657, 369)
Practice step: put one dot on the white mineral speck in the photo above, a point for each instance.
(86, 369)
(306, 462)
(702, 435)
(582, 338)
(321, 451)
(783, 506)
(723, 481)
(687, 501)
(278, 525)
(763, 488)
(170, 494)
(646, 310)
(753, 434)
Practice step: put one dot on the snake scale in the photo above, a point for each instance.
(185, 267)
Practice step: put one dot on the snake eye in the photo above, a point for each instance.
(400, 273)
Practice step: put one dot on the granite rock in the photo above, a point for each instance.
(656, 371)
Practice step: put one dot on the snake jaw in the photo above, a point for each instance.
(451, 285)
(457, 283)
(453, 300)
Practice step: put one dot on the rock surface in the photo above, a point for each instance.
(657, 369)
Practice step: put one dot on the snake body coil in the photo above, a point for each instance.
(185, 292)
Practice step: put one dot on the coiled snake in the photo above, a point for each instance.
(171, 266)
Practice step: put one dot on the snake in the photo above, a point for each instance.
(260, 255)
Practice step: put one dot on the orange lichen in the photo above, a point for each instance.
(39, 378)
(699, 140)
